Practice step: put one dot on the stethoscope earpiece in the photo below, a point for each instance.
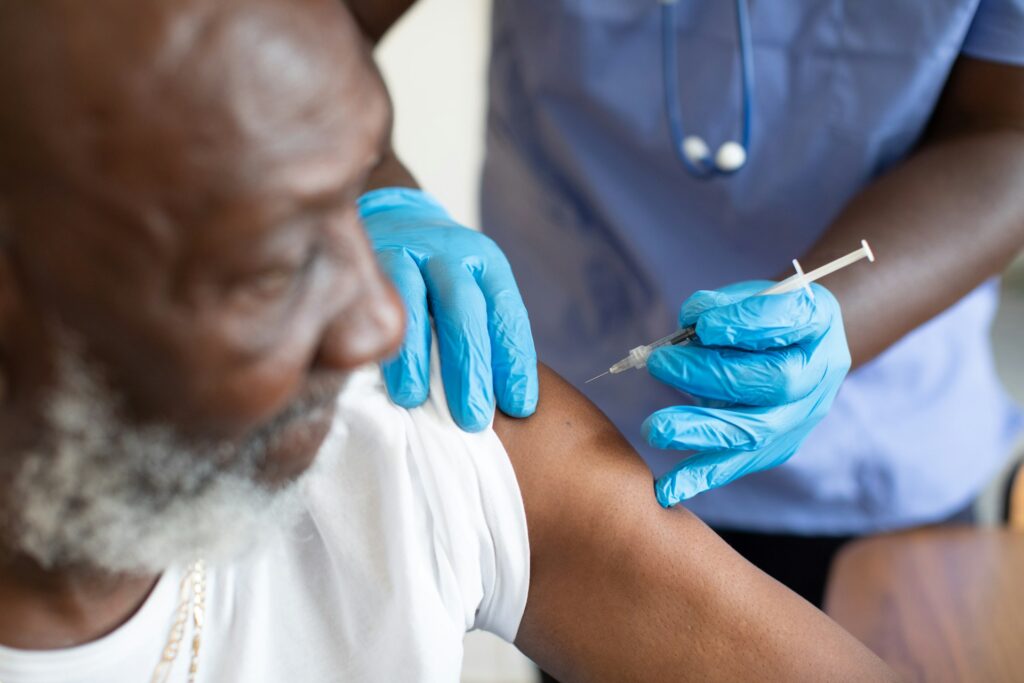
(696, 150)
(729, 158)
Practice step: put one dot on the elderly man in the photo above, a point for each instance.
(189, 493)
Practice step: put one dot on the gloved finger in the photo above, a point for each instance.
(706, 299)
(762, 322)
(755, 378)
(705, 471)
(407, 375)
(513, 354)
(699, 428)
(460, 315)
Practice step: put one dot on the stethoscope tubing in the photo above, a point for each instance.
(670, 75)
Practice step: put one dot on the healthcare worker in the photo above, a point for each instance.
(898, 121)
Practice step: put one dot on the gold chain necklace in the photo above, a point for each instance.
(191, 600)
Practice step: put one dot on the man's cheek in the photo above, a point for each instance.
(210, 390)
(244, 399)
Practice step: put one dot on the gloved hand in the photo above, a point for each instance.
(463, 279)
(764, 374)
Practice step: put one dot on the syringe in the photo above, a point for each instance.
(637, 357)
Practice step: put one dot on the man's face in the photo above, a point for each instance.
(189, 230)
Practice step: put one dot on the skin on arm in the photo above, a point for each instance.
(623, 589)
(375, 17)
(942, 222)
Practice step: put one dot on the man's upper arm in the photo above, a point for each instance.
(375, 17)
(622, 589)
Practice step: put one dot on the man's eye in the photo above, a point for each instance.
(278, 282)
(271, 283)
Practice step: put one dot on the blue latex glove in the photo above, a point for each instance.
(462, 278)
(764, 374)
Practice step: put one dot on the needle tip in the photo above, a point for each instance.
(593, 378)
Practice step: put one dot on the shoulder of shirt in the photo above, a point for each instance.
(445, 496)
(367, 421)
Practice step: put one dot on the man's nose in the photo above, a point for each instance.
(367, 330)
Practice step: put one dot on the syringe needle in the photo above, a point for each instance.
(593, 378)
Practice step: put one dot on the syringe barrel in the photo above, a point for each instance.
(638, 356)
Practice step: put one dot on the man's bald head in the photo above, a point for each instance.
(177, 195)
(89, 84)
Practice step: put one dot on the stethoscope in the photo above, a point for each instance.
(692, 150)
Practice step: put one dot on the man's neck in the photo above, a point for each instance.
(51, 609)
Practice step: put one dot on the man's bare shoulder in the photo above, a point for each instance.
(574, 466)
(623, 589)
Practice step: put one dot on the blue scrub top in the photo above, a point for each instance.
(608, 234)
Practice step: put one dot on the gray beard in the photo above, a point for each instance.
(119, 498)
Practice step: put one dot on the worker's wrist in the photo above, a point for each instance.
(397, 201)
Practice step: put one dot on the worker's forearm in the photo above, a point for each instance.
(390, 172)
(375, 17)
(940, 224)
